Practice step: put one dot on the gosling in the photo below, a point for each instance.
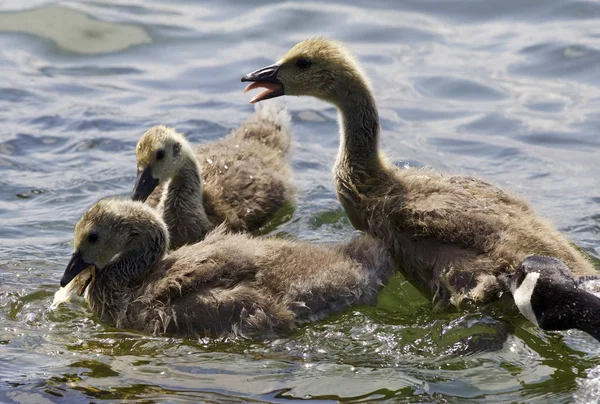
(453, 235)
(241, 180)
(225, 285)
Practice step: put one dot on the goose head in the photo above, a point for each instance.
(160, 153)
(536, 278)
(547, 294)
(315, 67)
(109, 230)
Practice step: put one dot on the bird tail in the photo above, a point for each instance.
(270, 124)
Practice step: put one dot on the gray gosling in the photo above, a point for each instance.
(453, 235)
(227, 284)
(241, 180)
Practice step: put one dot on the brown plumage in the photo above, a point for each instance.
(241, 180)
(452, 234)
(225, 284)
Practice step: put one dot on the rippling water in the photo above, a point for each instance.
(505, 90)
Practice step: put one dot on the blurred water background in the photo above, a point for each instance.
(507, 90)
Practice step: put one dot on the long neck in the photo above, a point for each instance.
(359, 127)
(184, 211)
(118, 283)
(186, 184)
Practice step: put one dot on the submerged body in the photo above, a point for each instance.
(453, 235)
(241, 180)
(225, 284)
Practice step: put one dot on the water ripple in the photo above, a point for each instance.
(504, 90)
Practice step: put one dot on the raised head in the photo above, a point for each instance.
(316, 67)
(160, 153)
(112, 229)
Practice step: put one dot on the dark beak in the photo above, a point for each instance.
(74, 268)
(265, 78)
(144, 185)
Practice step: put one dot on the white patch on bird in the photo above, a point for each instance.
(522, 296)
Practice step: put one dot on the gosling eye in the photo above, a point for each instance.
(160, 154)
(176, 149)
(93, 237)
(303, 63)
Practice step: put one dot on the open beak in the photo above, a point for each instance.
(90, 278)
(76, 266)
(144, 185)
(264, 78)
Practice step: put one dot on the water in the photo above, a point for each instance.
(505, 90)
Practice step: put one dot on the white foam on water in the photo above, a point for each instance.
(588, 390)
(64, 295)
